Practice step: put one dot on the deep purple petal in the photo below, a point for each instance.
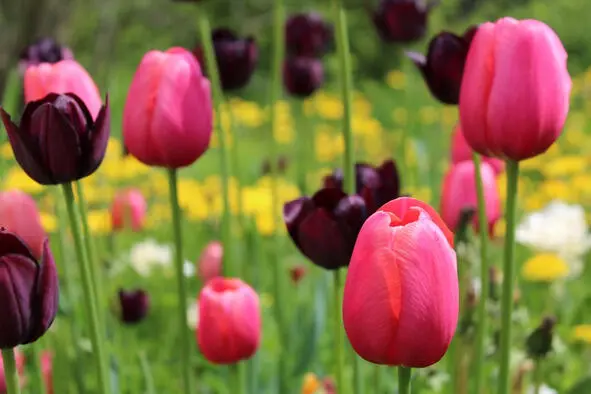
(99, 138)
(11, 243)
(328, 198)
(351, 214)
(294, 212)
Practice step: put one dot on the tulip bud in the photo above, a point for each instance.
(515, 91)
(307, 35)
(57, 140)
(134, 305)
(28, 291)
(401, 20)
(539, 342)
(389, 318)
(167, 119)
(297, 273)
(302, 76)
(229, 321)
(210, 261)
(44, 50)
(236, 58)
(129, 210)
(461, 151)
(19, 215)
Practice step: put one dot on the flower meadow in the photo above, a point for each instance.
(167, 231)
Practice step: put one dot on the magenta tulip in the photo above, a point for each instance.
(461, 151)
(129, 210)
(19, 214)
(515, 91)
(210, 261)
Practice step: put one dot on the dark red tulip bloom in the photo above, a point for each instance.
(302, 76)
(307, 34)
(44, 50)
(28, 291)
(57, 140)
(236, 58)
(402, 20)
(443, 67)
(325, 226)
(134, 305)
(377, 185)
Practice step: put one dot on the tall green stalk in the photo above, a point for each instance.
(10, 372)
(339, 363)
(404, 374)
(482, 321)
(146, 373)
(218, 100)
(88, 289)
(38, 382)
(508, 276)
(185, 339)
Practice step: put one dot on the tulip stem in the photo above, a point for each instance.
(89, 294)
(508, 276)
(237, 381)
(404, 380)
(377, 379)
(38, 384)
(223, 132)
(185, 339)
(10, 372)
(484, 279)
(147, 373)
(338, 332)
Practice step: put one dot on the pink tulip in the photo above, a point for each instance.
(66, 76)
(167, 119)
(47, 371)
(19, 358)
(459, 193)
(210, 261)
(401, 296)
(460, 151)
(19, 214)
(515, 91)
(229, 321)
(129, 209)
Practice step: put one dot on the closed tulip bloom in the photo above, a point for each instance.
(515, 91)
(66, 76)
(401, 296)
(28, 291)
(302, 76)
(401, 20)
(459, 194)
(167, 119)
(230, 321)
(19, 215)
(307, 34)
(57, 140)
(134, 305)
(129, 210)
(443, 67)
(461, 151)
(44, 50)
(19, 359)
(210, 261)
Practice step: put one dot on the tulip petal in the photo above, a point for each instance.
(99, 138)
(10, 243)
(294, 212)
(322, 241)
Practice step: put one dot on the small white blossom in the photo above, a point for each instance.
(193, 315)
(188, 269)
(146, 255)
(543, 390)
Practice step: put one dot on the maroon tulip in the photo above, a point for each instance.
(377, 185)
(325, 227)
(28, 291)
(443, 67)
(402, 20)
(134, 305)
(307, 34)
(236, 58)
(44, 50)
(57, 140)
(302, 76)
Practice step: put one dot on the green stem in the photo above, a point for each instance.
(87, 287)
(39, 383)
(404, 380)
(508, 276)
(484, 279)
(218, 100)
(237, 381)
(377, 379)
(302, 144)
(338, 333)
(147, 373)
(537, 375)
(185, 340)
(10, 372)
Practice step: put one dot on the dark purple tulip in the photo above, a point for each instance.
(57, 140)
(236, 58)
(307, 34)
(302, 76)
(377, 185)
(443, 67)
(134, 305)
(402, 20)
(325, 227)
(28, 291)
(44, 50)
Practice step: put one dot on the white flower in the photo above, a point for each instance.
(558, 228)
(188, 269)
(193, 315)
(543, 390)
(146, 255)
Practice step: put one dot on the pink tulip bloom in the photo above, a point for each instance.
(229, 321)
(129, 209)
(66, 76)
(401, 296)
(19, 215)
(210, 261)
(19, 358)
(167, 119)
(459, 193)
(460, 151)
(515, 91)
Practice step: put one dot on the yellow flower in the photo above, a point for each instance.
(48, 221)
(396, 79)
(556, 189)
(565, 165)
(329, 106)
(328, 147)
(248, 113)
(428, 115)
(366, 126)
(311, 384)
(582, 333)
(16, 178)
(361, 105)
(449, 116)
(266, 223)
(284, 133)
(99, 221)
(500, 227)
(157, 215)
(544, 267)
(6, 151)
